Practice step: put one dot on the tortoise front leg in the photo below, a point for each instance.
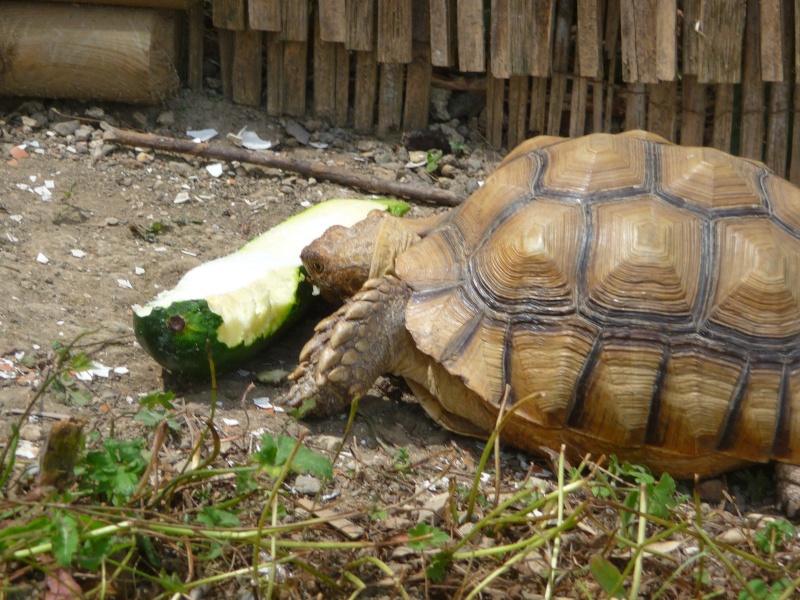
(350, 349)
(788, 488)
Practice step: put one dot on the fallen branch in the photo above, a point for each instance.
(317, 170)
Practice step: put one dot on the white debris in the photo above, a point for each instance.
(305, 204)
(202, 135)
(121, 370)
(77, 253)
(230, 422)
(24, 186)
(264, 403)
(138, 270)
(181, 198)
(16, 218)
(97, 370)
(26, 449)
(318, 145)
(41, 258)
(188, 253)
(249, 139)
(214, 169)
(124, 283)
(49, 184)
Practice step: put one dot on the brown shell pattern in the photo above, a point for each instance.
(630, 293)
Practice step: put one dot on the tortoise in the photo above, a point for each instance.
(620, 293)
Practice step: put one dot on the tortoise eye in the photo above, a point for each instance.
(317, 266)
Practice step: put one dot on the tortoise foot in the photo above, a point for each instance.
(788, 488)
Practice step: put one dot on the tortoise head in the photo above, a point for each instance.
(344, 258)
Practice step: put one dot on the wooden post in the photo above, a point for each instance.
(390, 99)
(103, 53)
(365, 90)
(394, 31)
(752, 140)
(246, 73)
(471, 56)
(442, 25)
(517, 109)
(558, 83)
(779, 99)
(418, 88)
(719, 58)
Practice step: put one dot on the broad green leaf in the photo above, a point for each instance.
(64, 537)
(606, 574)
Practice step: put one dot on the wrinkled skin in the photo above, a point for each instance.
(367, 336)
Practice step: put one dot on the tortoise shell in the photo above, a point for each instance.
(621, 294)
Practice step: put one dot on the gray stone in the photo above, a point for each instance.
(307, 485)
(66, 128)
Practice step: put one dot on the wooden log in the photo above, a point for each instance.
(561, 52)
(360, 25)
(662, 109)
(777, 150)
(246, 74)
(274, 75)
(693, 112)
(636, 107)
(517, 110)
(538, 118)
(720, 45)
(294, 16)
(103, 53)
(418, 88)
(443, 28)
(639, 41)
(333, 20)
(394, 31)
(752, 139)
(294, 78)
(283, 162)
(229, 14)
(666, 40)
(365, 91)
(589, 39)
(264, 15)
(771, 22)
(723, 117)
(471, 55)
(390, 98)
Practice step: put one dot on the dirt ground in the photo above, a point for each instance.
(72, 263)
(77, 251)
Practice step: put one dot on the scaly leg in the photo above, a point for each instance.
(362, 340)
(788, 488)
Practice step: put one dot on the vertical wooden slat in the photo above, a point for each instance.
(421, 21)
(229, 14)
(542, 37)
(418, 86)
(442, 21)
(342, 103)
(226, 55)
(246, 74)
(666, 39)
(693, 113)
(360, 24)
(394, 31)
(577, 110)
(195, 43)
(561, 49)
(752, 140)
(770, 23)
(639, 49)
(719, 58)
(597, 107)
(274, 75)
(295, 21)
(264, 15)
(519, 36)
(794, 165)
(500, 54)
(495, 97)
(365, 90)
(779, 102)
(332, 20)
(662, 109)
(471, 55)
(294, 78)
(517, 109)
(691, 17)
(611, 44)
(324, 71)
(538, 118)
(723, 117)
(589, 39)
(636, 107)
(390, 97)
